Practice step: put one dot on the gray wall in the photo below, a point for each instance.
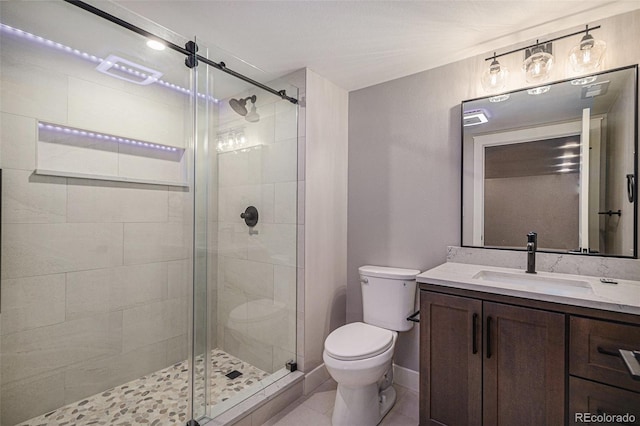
(404, 162)
(404, 183)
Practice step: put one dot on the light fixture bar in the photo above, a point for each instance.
(545, 42)
(103, 136)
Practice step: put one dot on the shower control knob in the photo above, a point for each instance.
(250, 216)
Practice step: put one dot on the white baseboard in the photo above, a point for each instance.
(315, 378)
(404, 377)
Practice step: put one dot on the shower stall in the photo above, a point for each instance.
(149, 220)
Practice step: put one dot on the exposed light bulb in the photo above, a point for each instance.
(495, 77)
(588, 55)
(538, 64)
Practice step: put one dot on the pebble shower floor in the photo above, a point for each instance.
(157, 399)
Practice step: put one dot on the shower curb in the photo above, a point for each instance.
(263, 405)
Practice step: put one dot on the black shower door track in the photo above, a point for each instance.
(189, 50)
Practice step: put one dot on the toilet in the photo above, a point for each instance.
(359, 355)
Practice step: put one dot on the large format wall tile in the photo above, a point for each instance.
(233, 200)
(18, 140)
(252, 278)
(29, 198)
(274, 244)
(28, 398)
(154, 242)
(33, 91)
(233, 240)
(32, 302)
(280, 162)
(112, 289)
(39, 249)
(88, 156)
(41, 350)
(117, 112)
(153, 323)
(286, 202)
(99, 201)
(90, 377)
(286, 121)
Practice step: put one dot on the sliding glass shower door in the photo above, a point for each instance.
(149, 222)
(97, 218)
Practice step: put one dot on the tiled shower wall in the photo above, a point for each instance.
(94, 273)
(256, 307)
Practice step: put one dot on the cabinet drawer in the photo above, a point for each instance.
(594, 351)
(595, 399)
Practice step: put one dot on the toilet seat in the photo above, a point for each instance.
(357, 340)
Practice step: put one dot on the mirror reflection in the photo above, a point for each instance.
(559, 160)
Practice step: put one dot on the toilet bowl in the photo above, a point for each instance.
(360, 374)
(359, 355)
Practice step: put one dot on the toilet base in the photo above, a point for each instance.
(363, 406)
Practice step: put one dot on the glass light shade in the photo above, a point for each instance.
(587, 56)
(538, 66)
(495, 77)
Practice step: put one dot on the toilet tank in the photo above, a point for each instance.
(388, 296)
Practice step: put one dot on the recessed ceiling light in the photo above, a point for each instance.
(473, 118)
(156, 45)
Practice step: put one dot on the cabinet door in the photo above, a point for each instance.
(450, 371)
(524, 366)
(592, 399)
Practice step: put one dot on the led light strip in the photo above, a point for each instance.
(102, 136)
(95, 59)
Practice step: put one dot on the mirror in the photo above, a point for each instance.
(560, 160)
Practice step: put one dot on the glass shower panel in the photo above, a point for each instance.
(253, 267)
(97, 146)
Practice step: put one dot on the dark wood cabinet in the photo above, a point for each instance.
(451, 361)
(589, 398)
(524, 366)
(490, 363)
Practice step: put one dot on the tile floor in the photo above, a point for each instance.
(157, 399)
(316, 409)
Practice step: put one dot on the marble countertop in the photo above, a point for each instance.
(569, 289)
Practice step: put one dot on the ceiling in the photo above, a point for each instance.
(357, 44)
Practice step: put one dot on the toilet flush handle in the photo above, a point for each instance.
(364, 280)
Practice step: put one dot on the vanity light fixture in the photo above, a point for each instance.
(495, 77)
(587, 56)
(538, 61)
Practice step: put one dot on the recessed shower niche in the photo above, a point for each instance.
(71, 152)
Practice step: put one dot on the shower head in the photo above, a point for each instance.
(239, 105)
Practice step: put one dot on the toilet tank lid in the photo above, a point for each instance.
(386, 272)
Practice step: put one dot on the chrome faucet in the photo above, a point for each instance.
(532, 246)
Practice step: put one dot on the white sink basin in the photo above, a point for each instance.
(534, 282)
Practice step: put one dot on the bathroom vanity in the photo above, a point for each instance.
(499, 346)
